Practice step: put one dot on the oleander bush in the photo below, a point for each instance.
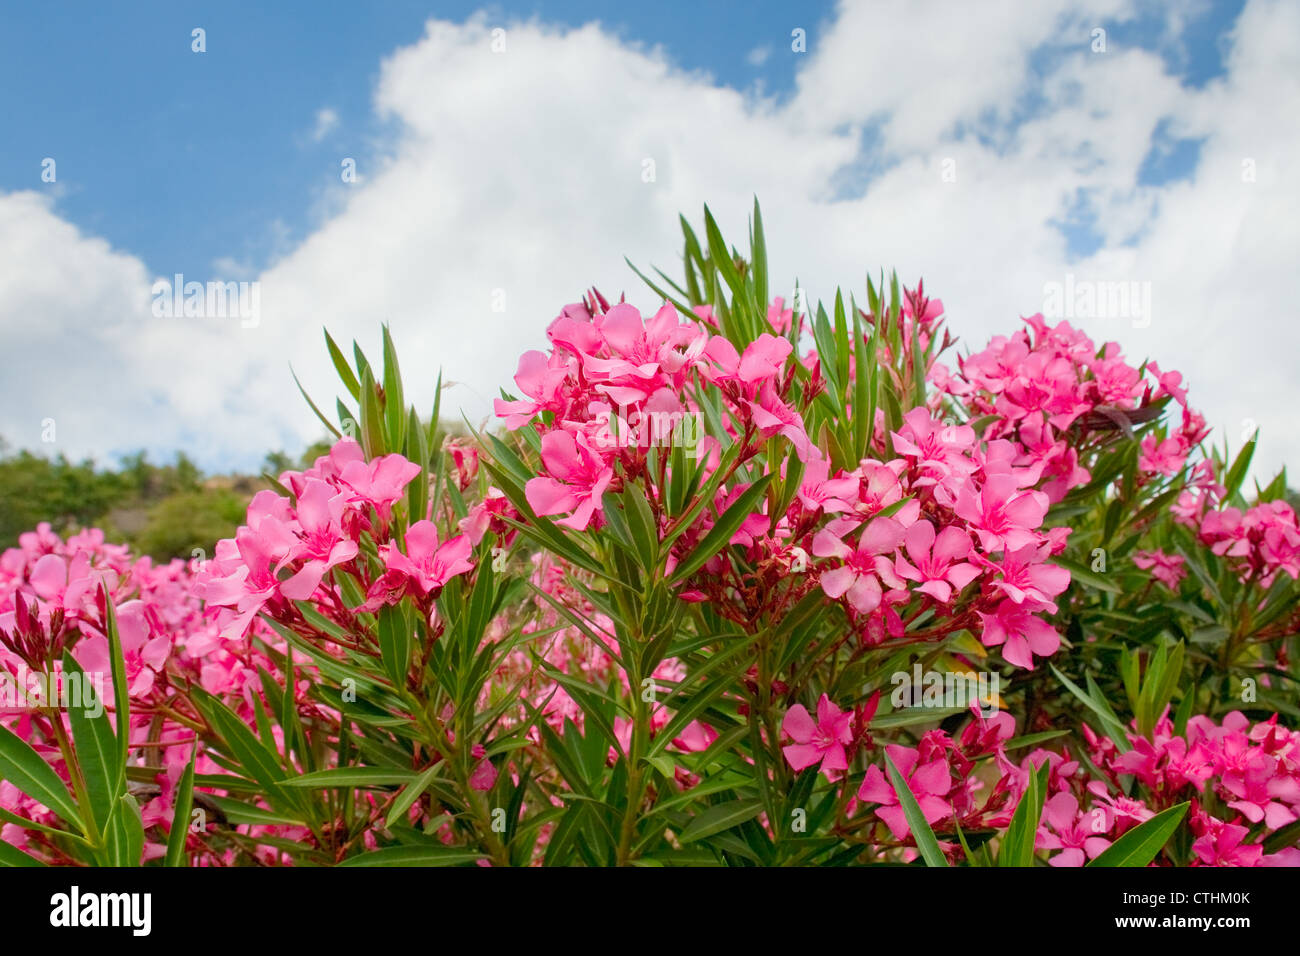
(731, 582)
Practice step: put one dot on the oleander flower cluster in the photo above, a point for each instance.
(729, 580)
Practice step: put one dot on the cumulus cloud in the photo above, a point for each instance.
(945, 140)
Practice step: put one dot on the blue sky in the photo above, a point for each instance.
(523, 173)
(187, 159)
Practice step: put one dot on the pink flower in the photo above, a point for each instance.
(822, 742)
(1075, 835)
(938, 448)
(643, 353)
(541, 379)
(428, 564)
(62, 582)
(857, 577)
(697, 736)
(1223, 844)
(243, 576)
(1001, 515)
(322, 539)
(820, 492)
(1019, 632)
(929, 782)
(779, 317)
(578, 478)
(1256, 788)
(483, 776)
(763, 359)
(1023, 575)
(1165, 457)
(379, 482)
(940, 560)
(1167, 568)
(772, 416)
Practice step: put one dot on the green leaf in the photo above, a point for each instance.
(1237, 473)
(125, 833)
(359, 777)
(1081, 574)
(1017, 847)
(181, 815)
(319, 414)
(257, 762)
(121, 689)
(372, 417)
(394, 399)
(863, 403)
(96, 748)
(341, 366)
(921, 832)
(417, 450)
(415, 856)
(1140, 845)
(23, 767)
(1114, 729)
(758, 247)
(410, 793)
(718, 818)
(721, 532)
(395, 642)
(641, 526)
(10, 855)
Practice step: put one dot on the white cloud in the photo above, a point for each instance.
(326, 122)
(522, 171)
(758, 56)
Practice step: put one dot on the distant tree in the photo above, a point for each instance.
(181, 523)
(275, 463)
(69, 496)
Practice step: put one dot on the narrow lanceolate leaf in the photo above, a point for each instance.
(415, 856)
(1082, 575)
(926, 843)
(1237, 473)
(1139, 846)
(121, 689)
(394, 398)
(1114, 729)
(720, 534)
(96, 747)
(373, 438)
(861, 381)
(319, 414)
(255, 760)
(417, 450)
(352, 777)
(1017, 847)
(10, 855)
(125, 835)
(395, 642)
(341, 366)
(410, 794)
(722, 817)
(181, 817)
(758, 246)
(23, 767)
